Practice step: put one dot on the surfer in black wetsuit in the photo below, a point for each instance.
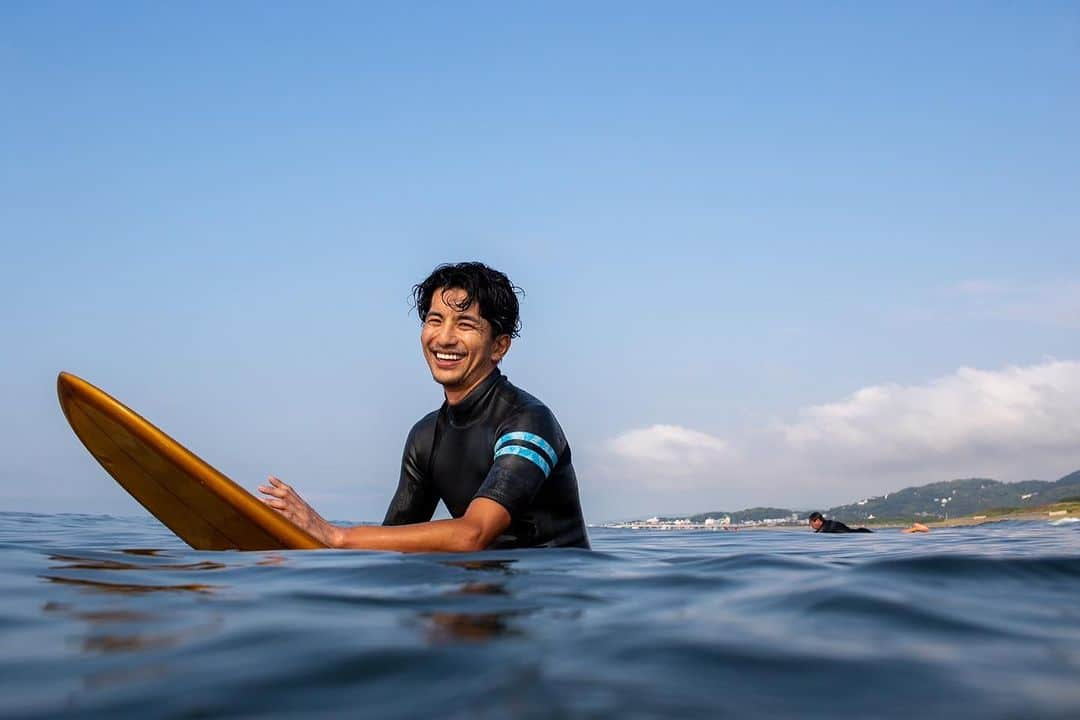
(493, 454)
(821, 525)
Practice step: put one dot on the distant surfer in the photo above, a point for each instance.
(493, 454)
(821, 525)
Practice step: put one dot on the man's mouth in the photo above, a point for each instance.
(448, 357)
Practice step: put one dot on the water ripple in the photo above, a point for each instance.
(111, 616)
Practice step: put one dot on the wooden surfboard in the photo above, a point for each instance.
(204, 508)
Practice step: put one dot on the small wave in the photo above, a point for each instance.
(957, 567)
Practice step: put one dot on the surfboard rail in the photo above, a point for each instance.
(201, 505)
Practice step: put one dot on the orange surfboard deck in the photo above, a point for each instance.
(204, 508)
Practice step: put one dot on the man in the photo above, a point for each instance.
(821, 525)
(493, 454)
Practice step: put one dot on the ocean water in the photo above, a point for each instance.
(106, 616)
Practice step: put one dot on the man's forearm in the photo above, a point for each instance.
(482, 523)
(457, 535)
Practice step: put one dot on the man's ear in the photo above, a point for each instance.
(502, 346)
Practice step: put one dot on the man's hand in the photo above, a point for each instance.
(483, 522)
(284, 499)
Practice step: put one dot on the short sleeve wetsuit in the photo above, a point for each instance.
(499, 443)
(835, 526)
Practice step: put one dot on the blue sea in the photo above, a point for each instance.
(110, 616)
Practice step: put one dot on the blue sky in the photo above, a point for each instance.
(734, 226)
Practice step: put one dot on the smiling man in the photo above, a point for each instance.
(493, 454)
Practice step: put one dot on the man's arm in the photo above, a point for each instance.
(414, 501)
(484, 520)
(529, 446)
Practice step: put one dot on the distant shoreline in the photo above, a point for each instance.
(1050, 511)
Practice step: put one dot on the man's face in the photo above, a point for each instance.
(816, 523)
(459, 345)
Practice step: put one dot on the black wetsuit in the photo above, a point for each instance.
(835, 526)
(499, 443)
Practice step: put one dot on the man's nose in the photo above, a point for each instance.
(446, 335)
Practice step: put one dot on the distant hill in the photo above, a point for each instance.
(958, 497)
(935, 501)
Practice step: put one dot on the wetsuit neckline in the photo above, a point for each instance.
(465, 411)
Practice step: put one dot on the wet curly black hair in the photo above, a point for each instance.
(492, 290)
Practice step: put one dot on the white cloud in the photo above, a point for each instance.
(969, 414)
(1010, 424)
(670, 448)
(653, 469)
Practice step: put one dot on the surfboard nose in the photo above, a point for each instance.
(65, 381)
(65, 388)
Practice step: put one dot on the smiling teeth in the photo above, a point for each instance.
(448, 356)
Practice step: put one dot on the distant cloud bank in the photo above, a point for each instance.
(971, 412)
(1010, 424)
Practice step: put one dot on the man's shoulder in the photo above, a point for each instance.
(518, 402)
(424, 428)
(524, 413)
(516, 397)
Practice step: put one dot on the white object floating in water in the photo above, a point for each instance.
(1065, 521)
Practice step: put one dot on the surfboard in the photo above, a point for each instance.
(204, 508)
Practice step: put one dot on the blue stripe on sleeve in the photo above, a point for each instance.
(529, 438)
(527, 454)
